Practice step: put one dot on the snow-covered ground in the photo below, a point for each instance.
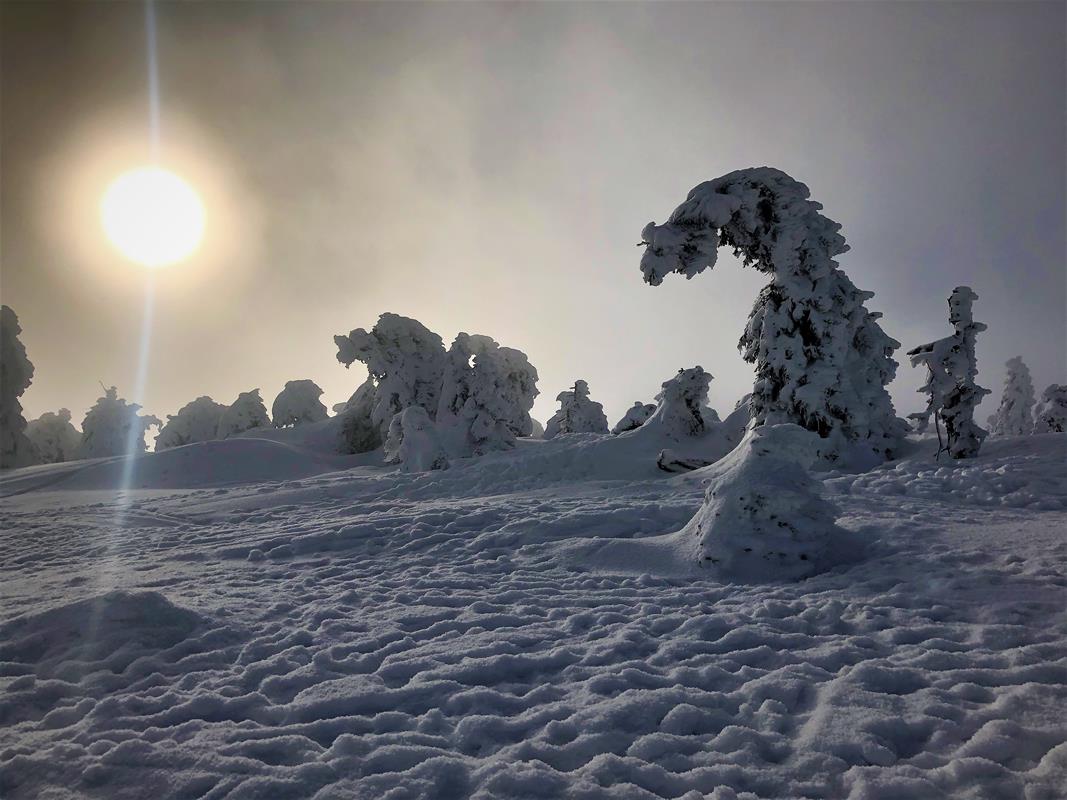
(262, 621)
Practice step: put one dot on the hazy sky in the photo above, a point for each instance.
(489, 168)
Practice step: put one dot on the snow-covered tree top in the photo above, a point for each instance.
(298, 403)
(393, 340)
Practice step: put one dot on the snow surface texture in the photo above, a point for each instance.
(516, 627)
(196, 421)
(1014, 416)
(951, 367)
(246, 413)
(822, 360)
(16, 373)
(1050, 415)
(112, 427)
(577, 413)
(298, 403)
(53, 437)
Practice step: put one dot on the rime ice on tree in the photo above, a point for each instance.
(822, 360)
(196, 421)
(682, 411)
(297, 404)
(114, 428)
(951, 369)
(246, 413)
(53, 436)
(1050, 415)
(1014, 416)
(358, 432)
(414, 442)
(636, 416)
(16, 373)
(577, 413)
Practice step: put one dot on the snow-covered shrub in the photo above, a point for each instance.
(822, 360)
(196, 421)
(414, 442)
(16, 373)
(486, 396)
(246, 412)
(112, 427)
(636, 416)
(54, 438)
(682, 405)
(577, 413)
(763, 516)
(951, 368)
(358, 432)
(1050, 415)
(407, 361)
(298, 403)
(1014, 416)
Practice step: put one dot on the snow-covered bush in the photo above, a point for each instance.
(1050, 415)
(636, 416)
(112, 427)
(822, 360)
(682, 405)
(763, 516)
(246, 412)
(54, 438)
(486, 396)
(358, 432)
(298, 403)
(1014, 416)
(414, 442)
(951, 368)
(577, 413)
(407, 361)
(196, 421)
(16, 373)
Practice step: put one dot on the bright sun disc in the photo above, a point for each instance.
(152, 216)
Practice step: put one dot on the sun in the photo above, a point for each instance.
(152, 216)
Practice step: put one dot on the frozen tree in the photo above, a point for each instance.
(636, 416)
(358, 432)
(682, 405)
(112, 427)
(53, 437)
(298, 403)
(414, 442)
(1014, 416)
(1050, 415)
(537, 429)
(577, 413)
(486, 395)
(406, 360)
(763, 516)
(246, 413)
(951, 367)
(822, 360)
(16, 373)
(196, 421)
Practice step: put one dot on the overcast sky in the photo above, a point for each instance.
(489, 168)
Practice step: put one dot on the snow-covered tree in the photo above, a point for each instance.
(196, 421)
(951, 367)
(246, 412)
(822, 360)
(54, 438)
(763, 516)
(406, 360)
(414, 442)
(1014, 416)
(112, 427)
(537, 429)
(682, 405)
(298, 403)
(486, 395)
(636, 416)
(358, 432)
(577, 413)
(1050, 415)
(16, 373)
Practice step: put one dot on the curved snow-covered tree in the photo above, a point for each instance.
(359, 433)
(16, 373)
(635, 416)
(406, 360)
(822, 360)
(112, 427)
(196, 421)
(1014, 416)
(486, 395)
(54, 438)
(951, 367)
(577, 413)
(1050, 415)
(682, 405)
(246, 412)
(298, 403)
(414, 442)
